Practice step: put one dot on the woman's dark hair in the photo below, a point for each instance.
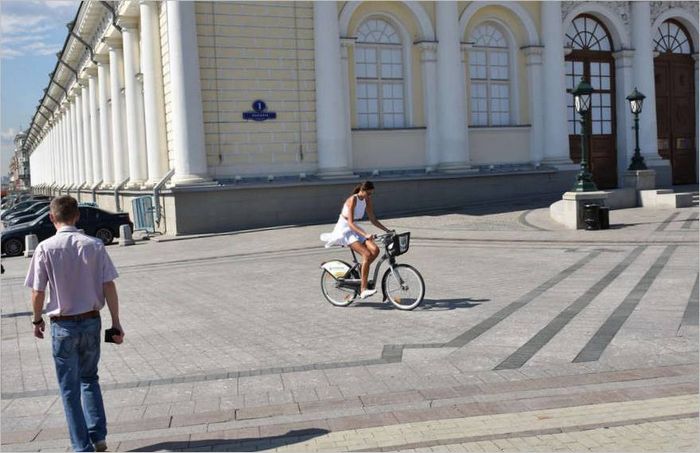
(366, 185)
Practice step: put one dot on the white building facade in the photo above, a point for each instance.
(439, 102)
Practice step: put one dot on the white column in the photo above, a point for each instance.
(67, 143)
(116, 78)
(95, 153)
(452, 97)
(428, 60)
(345, 45)
(697, 112)
(54, 151)
(624, 120)
(80, 134)
(59, 144)
(331, 124)
(154, 99)
(533, 55)
(64, 145)
(188, 116)
(644, 80)
(556, 133)
(135, 135)
(87, 140)
(103, 81)
(74, 155)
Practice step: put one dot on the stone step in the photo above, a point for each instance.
(380, 409)
(665, 198)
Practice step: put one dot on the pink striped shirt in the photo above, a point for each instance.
(75, 267)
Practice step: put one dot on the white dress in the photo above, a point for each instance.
(342, 234)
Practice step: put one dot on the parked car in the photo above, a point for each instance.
(16, 208)
(94, 221)
(37, 206)
(33, 216)
(27, 217)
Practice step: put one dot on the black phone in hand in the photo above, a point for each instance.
(110, 333)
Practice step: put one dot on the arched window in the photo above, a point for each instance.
(489, 73)
(586, 33)
(671, 38)
(379, 74)
(592, 60)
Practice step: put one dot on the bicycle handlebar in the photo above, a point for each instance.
(385, 235)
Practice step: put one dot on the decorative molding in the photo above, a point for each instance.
(101, 58)
(657, 8)
(113, 43)
(533, 54)
(623, 58)
(616, 16)
(427, 45)
(348, 42)
(619, 9)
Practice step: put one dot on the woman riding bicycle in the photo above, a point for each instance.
(348, 233)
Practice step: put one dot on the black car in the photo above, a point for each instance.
(94, 221)
(16, 208)
(36, 207)
(27, 217)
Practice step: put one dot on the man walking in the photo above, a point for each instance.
(80, 276)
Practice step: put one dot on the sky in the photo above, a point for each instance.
(31, 32)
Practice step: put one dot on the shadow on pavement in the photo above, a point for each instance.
(247, 444)
(428, 304)
(484, 208)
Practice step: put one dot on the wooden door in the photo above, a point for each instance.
(599, 70)
(591, 58)
(675, 114)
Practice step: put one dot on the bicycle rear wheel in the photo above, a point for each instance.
(408, 295)
(335, 294)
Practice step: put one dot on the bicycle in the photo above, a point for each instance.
(402, 284)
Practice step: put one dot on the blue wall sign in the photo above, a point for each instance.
(259, 112)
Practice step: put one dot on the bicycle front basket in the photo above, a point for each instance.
(400, 244)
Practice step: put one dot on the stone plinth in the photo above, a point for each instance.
(640, 179)
(569, 211)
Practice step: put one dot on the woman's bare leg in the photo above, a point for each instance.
(373, 249)
(366, 261)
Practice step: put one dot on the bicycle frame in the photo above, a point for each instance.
(371, 283)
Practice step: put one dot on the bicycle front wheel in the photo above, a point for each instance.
(404, 286)
(334, 293)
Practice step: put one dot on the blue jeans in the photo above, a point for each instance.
(76, 352)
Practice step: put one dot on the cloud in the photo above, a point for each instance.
(58, 4)
(8, 136)
(34, 27)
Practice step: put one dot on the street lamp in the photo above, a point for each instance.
(582, 103)
(636, 100)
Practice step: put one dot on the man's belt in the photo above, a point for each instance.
(80, 317)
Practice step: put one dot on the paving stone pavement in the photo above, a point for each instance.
(230, 345)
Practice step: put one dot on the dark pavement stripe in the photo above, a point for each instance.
(662, 226)
(529, 349)
(503, 313)
(690, 317)
(522, 219)
(390, 353)
(602, 338)
(689, 221)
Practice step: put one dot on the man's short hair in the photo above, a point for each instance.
(64, 209)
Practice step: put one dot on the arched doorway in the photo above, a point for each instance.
(591, 58)
(675, 100)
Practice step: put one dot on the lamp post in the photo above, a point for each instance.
(582, 103)
(636, 99)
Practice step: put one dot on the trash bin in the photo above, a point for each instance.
(604, 217)
(591, 216)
